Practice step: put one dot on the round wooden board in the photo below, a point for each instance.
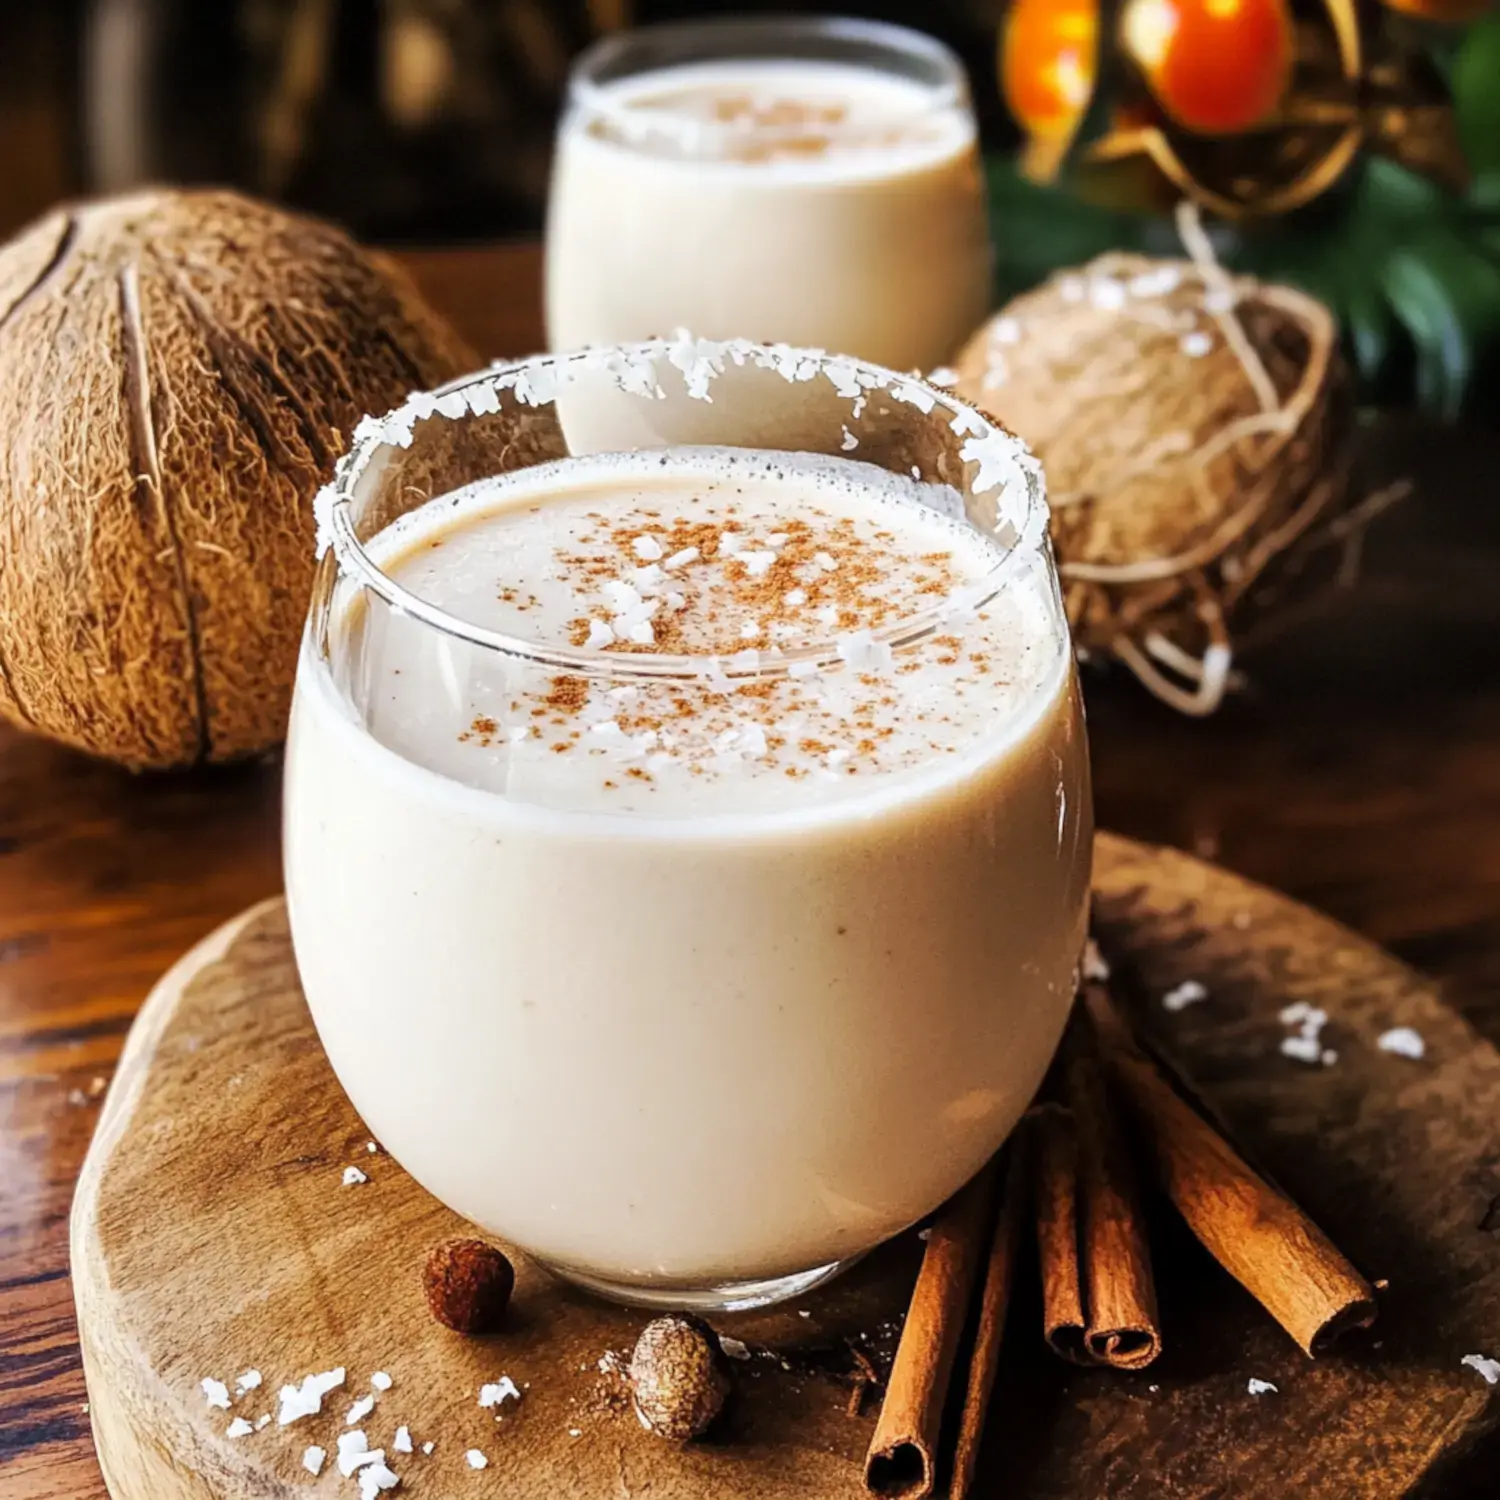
(212, 1234)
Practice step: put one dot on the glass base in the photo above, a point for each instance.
(727, 1296)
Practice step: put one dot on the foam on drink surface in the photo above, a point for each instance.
(779, 113)
(734, 559)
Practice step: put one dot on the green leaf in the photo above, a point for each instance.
(1476, 94)
(1447, 295)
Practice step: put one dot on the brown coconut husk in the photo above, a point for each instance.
(178, 372)
(1196, 430)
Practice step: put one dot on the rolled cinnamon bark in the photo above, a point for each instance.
(1250, 1227)
(1098, 1296)
(994, 1302)
(903, 1456)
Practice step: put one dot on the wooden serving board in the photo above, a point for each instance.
(212, 1234)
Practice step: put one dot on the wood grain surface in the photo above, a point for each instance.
(226, 1118)
(1359, 771)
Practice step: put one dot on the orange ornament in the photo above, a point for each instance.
(1048, 63)
(1216, 67)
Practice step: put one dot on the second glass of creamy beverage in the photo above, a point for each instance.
(687, 807)
(809, 180)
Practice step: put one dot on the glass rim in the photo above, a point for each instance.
(950, 89)
(336, 533)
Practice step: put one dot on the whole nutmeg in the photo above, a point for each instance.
(468, 1285)
(679, 1377)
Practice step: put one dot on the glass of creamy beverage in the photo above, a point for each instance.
(687, 806)
(814, 180)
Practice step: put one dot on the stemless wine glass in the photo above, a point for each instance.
(690, 1025)
(814, 180)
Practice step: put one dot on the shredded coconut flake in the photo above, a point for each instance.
(504, 1389)
(1303, 1048)
(353, 1177)
(263, 1421)
(734, 1348)
(1189, 992)
(249, 1381)
(238, 1428)
(360, 1410)
(312, 1459)
(1402, 1041)
(682, 559)
(355, 1451)
(944, 376)
(1261, 1387)
(1488, 1369)
(216, 1393)
(401, 1443)
(600, 634)
(428, 1447)
(1196, 344)
(381, 1381)
(475, 1459)
(647, 548)
(306, 1400)
(375, 1478)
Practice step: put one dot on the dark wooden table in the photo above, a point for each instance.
(1360, 771)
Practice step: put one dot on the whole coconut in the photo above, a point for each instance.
(178, 372)
(1195, 429)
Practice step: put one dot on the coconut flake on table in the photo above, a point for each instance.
(215, 1392)
(360, 1410)
(647, 548)
(1488, 1369)
(401, 1443)
(238, 1428)
(353, 1177)
(681, 559)
(1305, 1044)
(1402, 1041)
(1261, 1387)
(1189, 992)
(475, 1459)
(355, 1451)
(306, 1400)
(312, 1459)
(504, 1389)
(375, 1478)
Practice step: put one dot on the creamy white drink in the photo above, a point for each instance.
(818, 202)
(685, 981)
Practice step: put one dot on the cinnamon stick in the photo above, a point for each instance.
(994, 1301)
(902, 1461)
(1099, 1299)
(1250, 1227)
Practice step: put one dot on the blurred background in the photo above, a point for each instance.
(1350, 147)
